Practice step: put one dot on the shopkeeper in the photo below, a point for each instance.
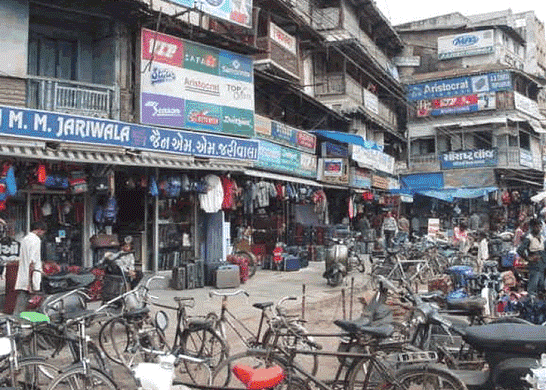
(533, 252)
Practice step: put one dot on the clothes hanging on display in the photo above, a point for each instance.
(231, 191)
(211, 201)
(264, 191)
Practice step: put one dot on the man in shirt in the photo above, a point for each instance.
(532, 251)
(389, 229)
(29, 273)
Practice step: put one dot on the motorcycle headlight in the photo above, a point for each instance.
(418, 317)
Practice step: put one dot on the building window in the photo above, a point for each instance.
(524, 141)
(50, 57)
(483, 140)
(422, 146)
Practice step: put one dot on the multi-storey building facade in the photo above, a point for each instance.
(130, 90)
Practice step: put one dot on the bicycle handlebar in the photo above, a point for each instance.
(227, 294)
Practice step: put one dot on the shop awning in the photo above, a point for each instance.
(423, 181)
(279, 177)
(449, 194)
(347, 138)
(97, 156)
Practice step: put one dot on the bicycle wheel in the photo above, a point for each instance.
(115, 338)
(204, 344)
(223, 377)
(77, 378)
(33, 373)
(415, 377)
(293, 341)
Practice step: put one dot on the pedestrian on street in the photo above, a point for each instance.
(389, 228)
(483, 250)
(29, 273)
(403, 228)
(532, 250)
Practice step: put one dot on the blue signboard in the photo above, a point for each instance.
(469, 159)
(52, 126)
(280, 158)
(490, 82)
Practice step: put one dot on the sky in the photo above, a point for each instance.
(402, 11)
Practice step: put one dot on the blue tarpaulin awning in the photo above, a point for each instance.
(347, 138)
(422, 181)
(449, 194)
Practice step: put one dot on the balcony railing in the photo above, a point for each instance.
(341, 84)
(71, 97)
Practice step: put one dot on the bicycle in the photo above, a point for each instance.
(22, 373)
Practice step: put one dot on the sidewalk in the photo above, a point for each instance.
(267, 285)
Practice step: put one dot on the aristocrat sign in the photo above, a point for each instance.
(469, 158)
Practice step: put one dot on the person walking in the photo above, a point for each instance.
(532, 250)
(403, 228)
(389, 229)
(29, 273)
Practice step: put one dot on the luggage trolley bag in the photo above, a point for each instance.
(228, 276)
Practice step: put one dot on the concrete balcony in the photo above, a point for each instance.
(71, 97)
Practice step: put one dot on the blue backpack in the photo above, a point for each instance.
(110, 212)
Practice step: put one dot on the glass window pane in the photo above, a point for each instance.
(47, 56)
(66, 55)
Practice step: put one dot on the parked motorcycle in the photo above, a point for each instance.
(509, 347)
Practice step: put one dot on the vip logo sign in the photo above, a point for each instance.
(163, 48)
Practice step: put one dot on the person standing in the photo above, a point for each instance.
(403, 228)
(533, 252)
(483, 250)
(29, 273)
(389, 229)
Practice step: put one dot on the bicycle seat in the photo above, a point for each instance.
(258, 378)
(34, 317)
(199, 324)
(262, 305)
(382, 331)
(137, 313)
(392, 251)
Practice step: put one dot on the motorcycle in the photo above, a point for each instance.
(510, 348)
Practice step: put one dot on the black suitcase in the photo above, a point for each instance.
(200, 269)
(210, 271)
(178, 279)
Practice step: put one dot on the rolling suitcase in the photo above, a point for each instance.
(291, 263)
(228, 276)
(178, 279)
(210, 271)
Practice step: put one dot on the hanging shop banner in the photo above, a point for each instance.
(283, 39)
(526, 158)
(360, 178)
(283, 134)
(373, 159)
(526, 105)
(50, 126)
(469, 159)
(329, 149)
(469, 178)
(467, 44)
(234, 11)
(461, 86)
(456, 104)
(433, 226)
(380, 182)
(371, 101)
(333, 170)
(283, 159)
(187, 85)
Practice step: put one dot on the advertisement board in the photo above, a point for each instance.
(360, 178)
(373, 159)
(469, 158)
(50, 126)
(285, 40)
(234, 11)
(193, 86)
(456, 104)
(284, 134)
(333, 170)
(467, 44)
(283, 159)
(460, 86)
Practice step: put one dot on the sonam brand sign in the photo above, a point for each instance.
(469, 158)
(468, 44)
(196, 87)
(234, 11)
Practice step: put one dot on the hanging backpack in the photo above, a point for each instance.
(173, 187)
(110, 211)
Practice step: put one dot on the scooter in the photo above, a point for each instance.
(510, 348)
(337, 256)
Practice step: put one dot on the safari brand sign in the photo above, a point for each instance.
(464, 45)
(234, 11)
(188, 85)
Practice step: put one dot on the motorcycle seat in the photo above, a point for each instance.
(508, 338)
(354, 327)
(468, 304)
(432, 296)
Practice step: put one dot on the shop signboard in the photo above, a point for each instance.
(380, 182)
(469, 178)
(456, 104)
(283, 159)
(234, 11)
(467, 44)
(474, 158)
(460, 86)
(330, 149)
(526, 158)
(360, 178)
(284, 134)
(333, 167)
(333, 170)
(373, 159)
(50, 126)
(371, 102)
(192, 86)
(283, 39)
(526, 105)
(433, 226)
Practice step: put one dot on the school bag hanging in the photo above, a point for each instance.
(110, 211)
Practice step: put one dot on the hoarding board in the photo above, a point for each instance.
(234, 11)
(467, 44)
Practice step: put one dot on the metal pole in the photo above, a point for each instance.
(303, 302)
(352, 297)
(343, 303)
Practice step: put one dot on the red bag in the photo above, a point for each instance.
(242, 262)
